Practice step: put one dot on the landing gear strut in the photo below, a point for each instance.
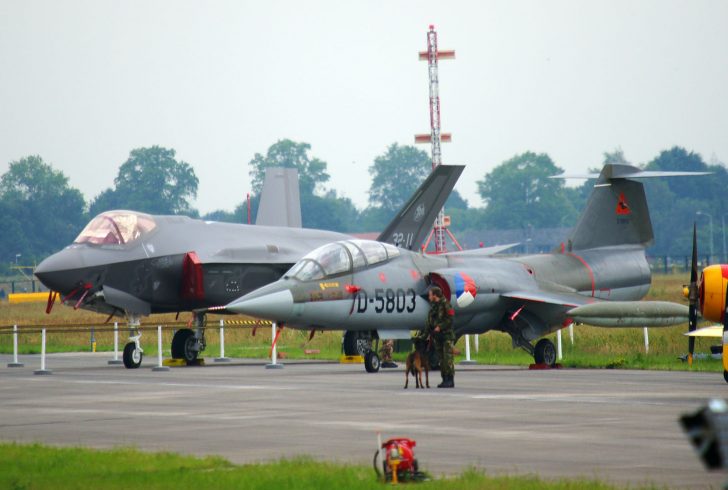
(357, 343)
(543, 353)
(133, 352)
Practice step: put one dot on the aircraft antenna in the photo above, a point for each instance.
(432, 55)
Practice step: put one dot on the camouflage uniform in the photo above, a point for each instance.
(441, 314)
(386, 350)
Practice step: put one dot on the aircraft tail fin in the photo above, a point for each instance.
(280, 201)
(616, 212)
(413, 222)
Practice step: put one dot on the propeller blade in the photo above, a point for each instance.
(693, 297)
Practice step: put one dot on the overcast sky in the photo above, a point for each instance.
(84, 82)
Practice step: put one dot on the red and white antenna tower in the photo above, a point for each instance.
(432, 55)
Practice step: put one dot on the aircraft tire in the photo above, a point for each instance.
(725, 375)
(371, 362)
(132, 357)
(545, 352)
(182, 341)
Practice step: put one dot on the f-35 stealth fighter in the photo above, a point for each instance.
(133, 264)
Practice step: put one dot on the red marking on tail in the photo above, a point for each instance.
(622, 206)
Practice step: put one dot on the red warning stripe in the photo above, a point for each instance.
(588, 268)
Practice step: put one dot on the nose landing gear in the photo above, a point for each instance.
(133, 352)
(365, 344)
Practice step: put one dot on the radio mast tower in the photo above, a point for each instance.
(432, 55)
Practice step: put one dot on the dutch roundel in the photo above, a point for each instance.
(465, 289)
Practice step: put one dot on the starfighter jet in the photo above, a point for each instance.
(598, 276)
(134, 264)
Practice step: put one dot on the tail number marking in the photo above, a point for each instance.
(387, 300)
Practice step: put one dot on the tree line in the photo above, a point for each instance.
(42, 212)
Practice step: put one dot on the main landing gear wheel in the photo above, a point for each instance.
(183, 345)
(132, 356)
(725, 376)
(371, 362)
(357, 343)
(545, 352)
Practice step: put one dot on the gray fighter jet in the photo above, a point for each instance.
(133, 264)
(597, 276)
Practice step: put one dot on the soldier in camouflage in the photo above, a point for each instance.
(440, 327)
(385, 352)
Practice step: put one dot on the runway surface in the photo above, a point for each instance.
(616, 425)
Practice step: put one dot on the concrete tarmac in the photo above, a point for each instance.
(620, 426)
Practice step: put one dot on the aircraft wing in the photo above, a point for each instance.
(713, 331)
(484, 251)
(570, 300)
(413, 223)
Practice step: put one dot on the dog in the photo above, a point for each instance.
(417, 361)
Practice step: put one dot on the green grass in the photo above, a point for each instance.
(37, 467)
(593, 347)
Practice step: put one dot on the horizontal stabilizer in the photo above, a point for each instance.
(713, 331)
(616, 171)
(630, 314)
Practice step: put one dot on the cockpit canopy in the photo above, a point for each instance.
(116, 228)
(341, 257)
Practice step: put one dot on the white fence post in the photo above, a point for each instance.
(43, 369)
(559, 353)
(467, 359)
(571, 332)
(116, 359)
(222, 357)
(15, 362)
(477, 342)
(160, 363)
(647, 342)
(274, 364)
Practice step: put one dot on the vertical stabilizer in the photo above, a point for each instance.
(280, 201)
(616, 214)
(413, 222)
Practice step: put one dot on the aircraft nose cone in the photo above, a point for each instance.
(275, 306)
(57, 272)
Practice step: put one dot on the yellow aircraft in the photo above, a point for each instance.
(709, 297)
